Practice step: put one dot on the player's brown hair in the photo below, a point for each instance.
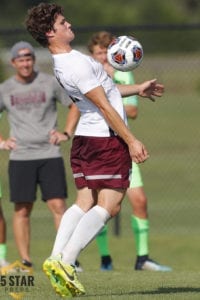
(101, 38)
(40, 19)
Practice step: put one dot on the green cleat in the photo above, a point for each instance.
(63, 278)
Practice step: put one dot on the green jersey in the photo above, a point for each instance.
(126, 78)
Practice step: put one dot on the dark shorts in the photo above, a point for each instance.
(100, 162)
(25, 176)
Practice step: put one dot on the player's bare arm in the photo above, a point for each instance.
(131, 111)
(56, 137)
(148, 89)
(73, 116)
(8, 144)
(72, 119)
(137, 150)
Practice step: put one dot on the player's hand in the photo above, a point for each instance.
(138, 152)
(151, 89)
(57, 137)
(9, 144)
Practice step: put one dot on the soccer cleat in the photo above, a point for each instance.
(150, 265)
(63, 278)
(26, 263)
(17, 296)
(106, 263)
(16, 267)
(4, 263)
(57, 283)
(106, 267)
(78, 267)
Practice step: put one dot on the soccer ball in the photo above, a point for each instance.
(125, 53)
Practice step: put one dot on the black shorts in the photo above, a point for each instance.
(25, 176)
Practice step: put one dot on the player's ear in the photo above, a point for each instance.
(50, 34)
(12, 62)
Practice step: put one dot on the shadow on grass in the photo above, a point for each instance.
(162, 290)
(171, 290)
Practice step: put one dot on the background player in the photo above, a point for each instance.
(97, 46)
(3, 246)
(30, 98)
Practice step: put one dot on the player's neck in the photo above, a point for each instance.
(58, 49)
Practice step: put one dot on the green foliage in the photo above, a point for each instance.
(119, 12)
(88, 16)
(2, 71)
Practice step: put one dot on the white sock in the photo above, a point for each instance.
(68, 223)
(88, 227)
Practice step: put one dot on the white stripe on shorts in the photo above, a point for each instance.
(94, 177)
(78, 175)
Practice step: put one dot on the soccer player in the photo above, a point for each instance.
(3, 246)
(30, 98)
(102, 147)
(97, 46)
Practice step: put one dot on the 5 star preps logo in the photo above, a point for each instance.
(16, 279)
(16, 285)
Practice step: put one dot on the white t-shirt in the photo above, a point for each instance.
(78, 74)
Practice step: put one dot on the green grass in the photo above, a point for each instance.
(170, 130)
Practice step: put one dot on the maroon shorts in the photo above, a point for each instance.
(100, 162)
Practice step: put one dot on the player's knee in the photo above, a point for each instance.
(58, 207)
(23, 210)
(115, 210)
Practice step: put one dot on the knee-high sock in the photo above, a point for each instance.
(68, 223)
(141, 233)
(3, 251)
(102, 242)
(88, 227)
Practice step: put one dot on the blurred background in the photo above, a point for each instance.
(169, 32)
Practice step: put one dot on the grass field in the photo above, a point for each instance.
(170, 130)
